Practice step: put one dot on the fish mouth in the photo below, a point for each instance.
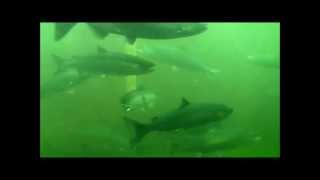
(192, 29)
(199, 28)
(148, 69)
(202, 27)
(225, 113)
(230, 110)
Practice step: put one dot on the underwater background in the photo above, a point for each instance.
(87, 120)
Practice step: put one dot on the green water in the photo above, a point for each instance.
(87, 120)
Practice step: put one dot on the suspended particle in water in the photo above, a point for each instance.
(72, 91)
(257, 138)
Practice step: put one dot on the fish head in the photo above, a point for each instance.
(189, 29)
(136, 68)
(146, 69)
(145, 98)
(142, 62)
(219, 112)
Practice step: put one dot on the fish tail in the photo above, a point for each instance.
(140, 130)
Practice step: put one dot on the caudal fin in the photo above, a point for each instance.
(140, 130)
(61, 29)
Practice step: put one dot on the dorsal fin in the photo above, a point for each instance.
(184, 103)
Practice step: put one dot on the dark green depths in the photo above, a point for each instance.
(186, 116)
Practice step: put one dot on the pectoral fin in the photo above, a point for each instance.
(184, 103)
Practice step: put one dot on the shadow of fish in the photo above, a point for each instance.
(200, 144)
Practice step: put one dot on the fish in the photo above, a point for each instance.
(188, 115)
(139, 98)
(62, 82)
(133, 31)
(176, 58)
(105, 62)
(265, 60)
(212, 141)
